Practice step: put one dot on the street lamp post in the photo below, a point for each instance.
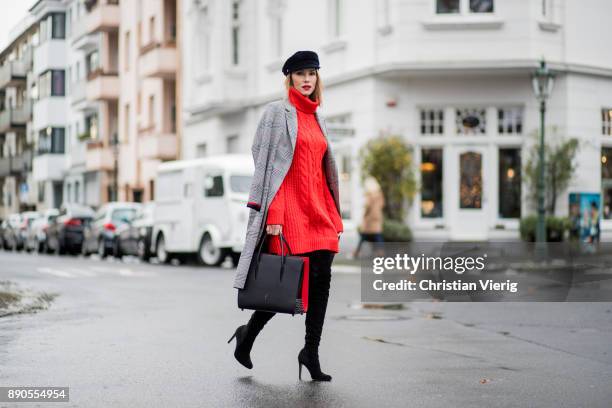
(542, 81)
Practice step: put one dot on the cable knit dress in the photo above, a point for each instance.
(303, 204)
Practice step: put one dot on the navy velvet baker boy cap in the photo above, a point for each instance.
(301, 60)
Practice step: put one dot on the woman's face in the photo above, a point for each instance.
(305, 80)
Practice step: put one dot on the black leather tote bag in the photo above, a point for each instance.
(274, 282)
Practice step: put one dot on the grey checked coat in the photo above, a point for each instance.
(273, 147)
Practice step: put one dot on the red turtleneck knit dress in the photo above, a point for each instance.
(303, 204)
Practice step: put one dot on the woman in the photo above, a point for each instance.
(295, 186)
(372, 223)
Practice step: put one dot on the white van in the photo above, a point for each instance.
(200, 208)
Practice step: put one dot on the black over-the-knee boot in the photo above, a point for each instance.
(246, 334)
(318, 294)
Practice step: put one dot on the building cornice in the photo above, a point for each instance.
(407, 70)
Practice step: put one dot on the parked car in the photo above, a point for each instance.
(200, 208)
(101, 232)
(37, 234)
(65, 232)
(11, 235)
(27, 219)
(3, 225)
(134, 237)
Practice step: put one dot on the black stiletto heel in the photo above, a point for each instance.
(243, 346)
(300, 373)
(311, 361)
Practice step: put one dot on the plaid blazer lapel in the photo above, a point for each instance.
(291, 118)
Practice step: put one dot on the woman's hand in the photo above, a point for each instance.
(340, 233)
(274, 229)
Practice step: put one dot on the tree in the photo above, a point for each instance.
(389, 159)
(560, 165)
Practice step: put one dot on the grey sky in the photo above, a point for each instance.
(11, 12)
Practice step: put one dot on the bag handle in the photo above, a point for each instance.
(283, 240)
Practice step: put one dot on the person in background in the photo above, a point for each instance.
(372, 222)
(594, 231)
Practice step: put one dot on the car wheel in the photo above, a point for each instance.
(162, 255)
(101, 248)
(59, 249)
(143, 252)
(209, 254)
(117, 249)
(84, 250)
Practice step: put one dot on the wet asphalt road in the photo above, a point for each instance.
(127, 334)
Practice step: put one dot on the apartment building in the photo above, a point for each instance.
(16, 152)
(49, 102)
(94, 99)
(451, 77)
(149, 131)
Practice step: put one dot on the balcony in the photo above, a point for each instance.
(102, 86)
(99, 157)
(49, 166)
(103, 16)
(5, 166)
(159, 60)
(155, 145)
(14, 72)
(77, 93)
(16, 165)
(15, 118)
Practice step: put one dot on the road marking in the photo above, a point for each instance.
(56, 272)
(94, 271)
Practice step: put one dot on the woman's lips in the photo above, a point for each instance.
(307, 87)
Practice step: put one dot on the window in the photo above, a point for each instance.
(481, 6)
(53, 26)
(213, 186)
(126, 52)
(447, 6)
(276, 33)
(91, 126)
(236, 32)
(384, 15)
(431, 183)
(92, 62)
(152, 30)
(510, 120)
(606, 181)
(432, 121)
(336, 18)
(187, 190)
(606, 121)
(201, 47)
(201, 150)
(240, 184)
(232, 144)
(51, 141)
(52, 83)
(471, 121)
(463, 6)
(151, 110)
(510, 183)
(152, 190)
(126, 122)
(137, 195)
(470, 180)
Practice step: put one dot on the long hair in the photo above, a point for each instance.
(317, 94)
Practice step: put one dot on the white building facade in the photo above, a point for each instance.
(451, 77)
